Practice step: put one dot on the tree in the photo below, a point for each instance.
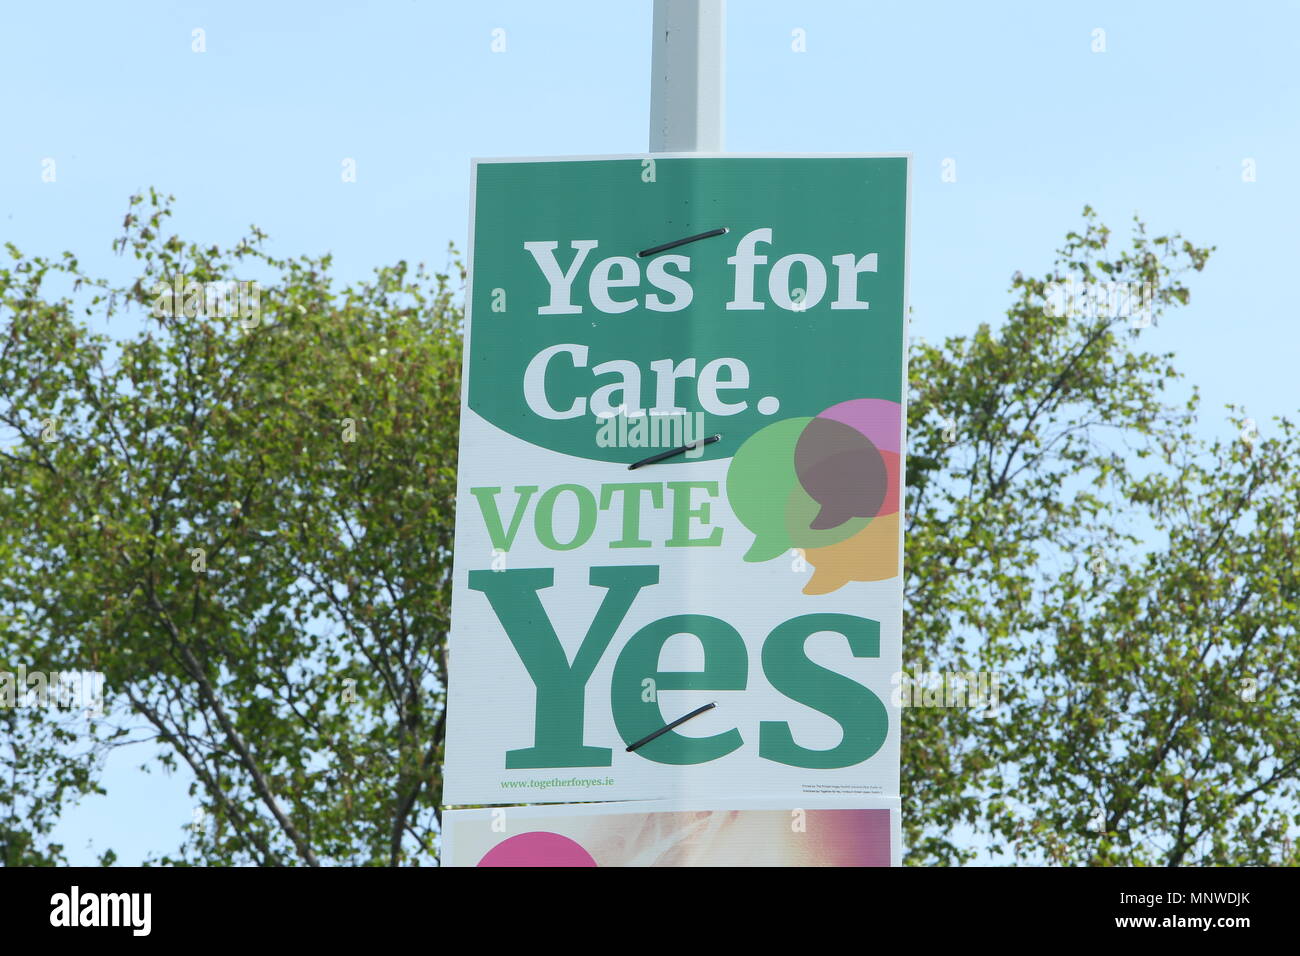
(1133, 588)
(244, 521)
(243, 518)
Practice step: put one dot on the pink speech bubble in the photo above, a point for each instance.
(878, 419)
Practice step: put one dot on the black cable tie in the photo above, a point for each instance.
(681, 242)
(663, 730)
(698, 443)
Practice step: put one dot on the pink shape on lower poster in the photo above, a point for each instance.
(538, 848)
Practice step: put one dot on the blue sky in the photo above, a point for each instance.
(255, 130)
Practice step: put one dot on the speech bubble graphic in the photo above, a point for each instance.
(818, 484)
(893, 461)
(763, 490)
(801, 509)
(841, 469)
(870, 555)
(759, 481)
(880, 420)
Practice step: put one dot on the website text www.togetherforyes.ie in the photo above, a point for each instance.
(559, 782)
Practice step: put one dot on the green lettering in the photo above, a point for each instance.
(561, 686)
(487, 503)
(858, 711)
(683, 513)
(545, 514)
(632, 509)
(726, 667)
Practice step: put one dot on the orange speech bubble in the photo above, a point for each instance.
(870, 555)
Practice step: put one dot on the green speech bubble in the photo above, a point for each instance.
(764, 492)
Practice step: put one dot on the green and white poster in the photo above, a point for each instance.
(595, 603)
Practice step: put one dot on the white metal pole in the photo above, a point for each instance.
(686, 76)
